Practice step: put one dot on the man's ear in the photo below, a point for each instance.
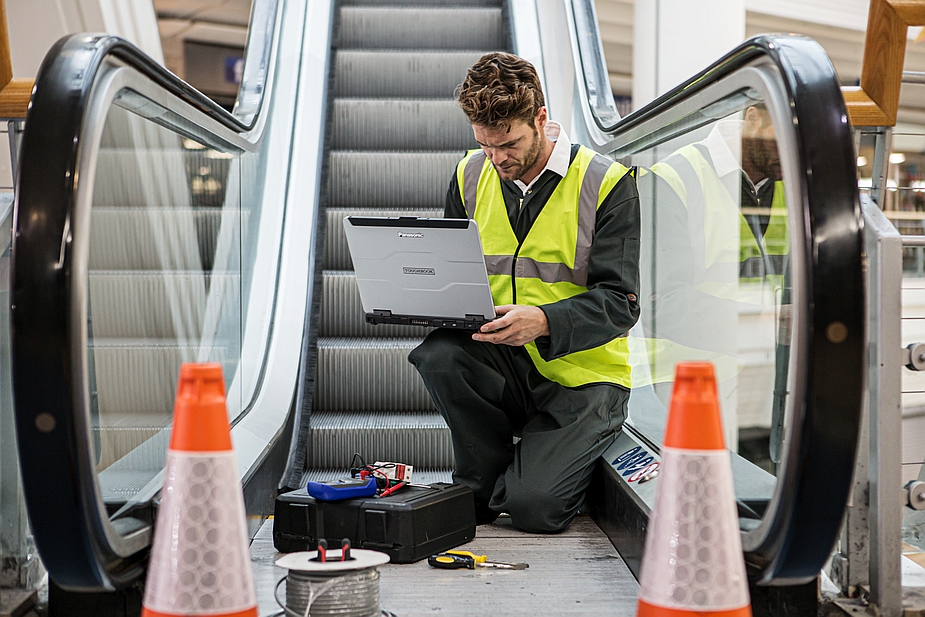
(752, 121)
(540, 119)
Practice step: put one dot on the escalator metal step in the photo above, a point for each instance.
(401, 74)
(121, 433)
(422, 440)
(156, 305)
(158, 361)
(469, 3)
(342, 312)
(368, 373)
(400, 124)
(390, 179)
(420, 28)
(135, 178)
(154, 239)
(336, 255)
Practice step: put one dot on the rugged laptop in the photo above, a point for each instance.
(420, 271)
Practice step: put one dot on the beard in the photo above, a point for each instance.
(760, 159)
(515, 169)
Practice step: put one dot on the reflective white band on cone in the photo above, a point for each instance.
(693, 557)
(200, 560)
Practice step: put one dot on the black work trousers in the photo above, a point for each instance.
(489, 394)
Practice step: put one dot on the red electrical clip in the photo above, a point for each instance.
(345, 549)
(391, 490)
(323, 550)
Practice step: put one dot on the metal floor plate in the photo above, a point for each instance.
(577, 572)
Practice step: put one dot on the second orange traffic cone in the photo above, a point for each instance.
(200, 559)
(692, 564)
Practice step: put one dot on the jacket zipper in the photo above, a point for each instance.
(513, 278)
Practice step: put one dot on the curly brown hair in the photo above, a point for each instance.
(499, 89)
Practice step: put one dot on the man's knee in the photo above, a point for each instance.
(537, 511)
(437, 351)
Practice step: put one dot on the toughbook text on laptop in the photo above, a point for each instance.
(420, 271)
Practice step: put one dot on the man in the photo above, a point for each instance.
(560, 232)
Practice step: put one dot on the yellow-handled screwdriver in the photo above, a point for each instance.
(453, 560)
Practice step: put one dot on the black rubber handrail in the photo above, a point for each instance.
(80, 547)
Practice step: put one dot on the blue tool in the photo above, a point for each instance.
(342, 489)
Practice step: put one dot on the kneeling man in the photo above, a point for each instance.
(560, 232)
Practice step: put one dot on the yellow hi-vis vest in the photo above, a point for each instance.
(552, 262)
(774, 244)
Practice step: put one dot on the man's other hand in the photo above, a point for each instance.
(516, 325)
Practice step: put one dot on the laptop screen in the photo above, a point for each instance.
(421, 271)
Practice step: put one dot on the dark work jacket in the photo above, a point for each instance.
(610, 307)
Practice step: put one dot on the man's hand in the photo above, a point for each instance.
(516, 326)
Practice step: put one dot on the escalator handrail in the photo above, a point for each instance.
(259, 46)
(797, 533)
(592, 66)
(80, 546)
(253, 83)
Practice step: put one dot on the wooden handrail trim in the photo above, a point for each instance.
(884, 51)
(14, 98)
(6, 57)
(864, 111)
(876, 102)
(912, 12)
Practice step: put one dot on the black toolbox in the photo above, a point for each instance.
(408, 525)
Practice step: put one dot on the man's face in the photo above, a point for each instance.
(760, 157)
(512, 149)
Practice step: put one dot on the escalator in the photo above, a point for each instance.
(163, 229)
(396, 135)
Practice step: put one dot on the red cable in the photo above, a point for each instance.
(393, 489)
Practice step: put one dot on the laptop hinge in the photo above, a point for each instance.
(475, 317)
(382, 313)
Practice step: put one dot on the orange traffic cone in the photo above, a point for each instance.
(200, 559)
(693, 563)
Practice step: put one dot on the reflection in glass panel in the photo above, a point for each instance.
(164, 287)
(716, 286)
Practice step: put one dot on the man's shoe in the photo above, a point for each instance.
(484, 515)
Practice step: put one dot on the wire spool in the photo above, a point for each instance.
(332, 588)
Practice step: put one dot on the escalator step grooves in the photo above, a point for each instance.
(159, 363)
(157, 305)
(336, 255)
(342, 312)
(135, 238)
(396, 124)
(130, 182)
(420, 28)
(422, 440)
(368, 373)
(420, 3)
(401, 74)
(390, 179)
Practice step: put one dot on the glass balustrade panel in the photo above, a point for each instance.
(716, 285)
(164, 288)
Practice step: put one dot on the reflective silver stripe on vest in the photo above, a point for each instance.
(499, 264)
(529, 268)
(587, 213)
(550, 272)
(471, 175)
(761, 266)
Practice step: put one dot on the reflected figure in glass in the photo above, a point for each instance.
(716, 282)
